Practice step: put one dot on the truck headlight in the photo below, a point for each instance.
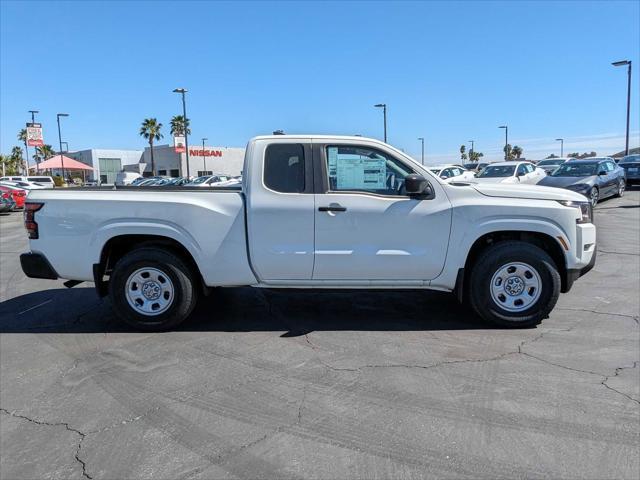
(586, 211)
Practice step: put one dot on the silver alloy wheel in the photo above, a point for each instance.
(516, 286)
(593, 196)
(149, 291)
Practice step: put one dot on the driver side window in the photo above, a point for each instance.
(362, 169)
(522, 170)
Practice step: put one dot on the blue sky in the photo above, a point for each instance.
(450, 71)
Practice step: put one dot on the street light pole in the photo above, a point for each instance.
(26, 145)
(561, 140)
(620, 64)
(384, 113)
(184, 114)
(60, 141)
(204, 158)
(422, 141)
(506, 141)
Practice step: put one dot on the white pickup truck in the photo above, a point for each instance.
(315, 212)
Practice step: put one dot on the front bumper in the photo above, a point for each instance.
(36, 265)
(575, 273)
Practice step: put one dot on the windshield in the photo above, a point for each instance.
(631, 159)
(435, 170)
(493, 171)
(551, 162)
(200, 180)
(571, 169)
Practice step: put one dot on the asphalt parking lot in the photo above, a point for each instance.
(262, 384)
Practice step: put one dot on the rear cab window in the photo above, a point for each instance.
(285, 168)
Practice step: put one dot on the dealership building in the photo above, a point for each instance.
(207, 161)
(106, 163)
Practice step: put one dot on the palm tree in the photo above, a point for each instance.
(44, 151)
(150, 129)
(516, 151)
(22, 136)
(177, 125)
(463, 156)
(17, 158)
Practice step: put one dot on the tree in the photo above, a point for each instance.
(463, 155)
(17, 156)
(508, 152)
(582, 155)
(475, 156)
(553, 155)
(516, 151)
(44, 151)
(177, 125)
(22, 136)
(150, 129)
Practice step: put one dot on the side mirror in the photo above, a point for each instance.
(415, 184)
(602, 172)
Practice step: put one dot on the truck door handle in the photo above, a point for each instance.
(333, 208)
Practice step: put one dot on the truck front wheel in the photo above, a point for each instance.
(514, 284)
(152, 289)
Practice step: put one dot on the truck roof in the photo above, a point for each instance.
(319, 137)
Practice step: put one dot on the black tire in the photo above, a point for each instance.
(184, 289)
(621, 187)
(491, 261)
(594, 196)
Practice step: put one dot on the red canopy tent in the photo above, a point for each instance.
(56, 162)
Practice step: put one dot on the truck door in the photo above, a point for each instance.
(366, 227)
(280, 209)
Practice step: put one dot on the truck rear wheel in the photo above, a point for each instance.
(514, 284)
(152, 289)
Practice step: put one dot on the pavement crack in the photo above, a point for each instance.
(82, 435)
(633, 317)
(559, 365)
(618, 253)
(300, 407)
(617, 372)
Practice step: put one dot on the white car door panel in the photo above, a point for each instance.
(362, 235)
(281, 213)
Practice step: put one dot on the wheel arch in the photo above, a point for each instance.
(542, 240)
(119, 245)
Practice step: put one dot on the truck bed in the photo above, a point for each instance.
(76, 223)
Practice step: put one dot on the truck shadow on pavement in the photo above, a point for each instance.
(79, 310)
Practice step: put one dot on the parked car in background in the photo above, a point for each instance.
(43, 180)
(510, 172)
(595, 178)
(452, 173)
(7, 203)
(126, 178)
(631, 166)
(19, 195)
(475, 167)
(208, 180)
(550, 164)
(25, 185)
